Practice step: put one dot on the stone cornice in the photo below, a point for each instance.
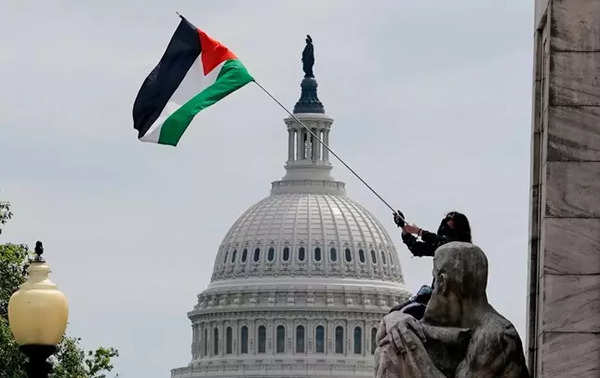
(298, 301)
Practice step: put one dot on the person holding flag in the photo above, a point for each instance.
(453, 227)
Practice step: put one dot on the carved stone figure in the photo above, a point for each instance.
(308, 58)
(461, 335)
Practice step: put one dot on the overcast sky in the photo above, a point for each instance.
(431, 102)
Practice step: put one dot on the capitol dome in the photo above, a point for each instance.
(302, 278)
(307, 234)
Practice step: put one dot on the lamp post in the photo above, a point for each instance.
(37, 315)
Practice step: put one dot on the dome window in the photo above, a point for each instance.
(361, 255)
(301, 254)
(320, 339)
(233, 256)
(348, 255)
(339, 339)
(280, 342)
(225, 258)
(383, 258)
(333, 254)
(229, 341)
(271, 254)
(286, 254)
(391, 260)
(257, 254)
(357, 340)
(317, 254)
(373, 257)
(244, 255)
(262, 339)
(244, 346)
(300, 339)
(216, 342)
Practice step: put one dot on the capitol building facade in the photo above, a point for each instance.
(302, 278)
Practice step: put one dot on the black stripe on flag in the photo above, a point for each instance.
(159, 86)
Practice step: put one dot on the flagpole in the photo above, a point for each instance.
(328, 149)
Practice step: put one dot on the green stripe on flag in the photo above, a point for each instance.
(233, 75)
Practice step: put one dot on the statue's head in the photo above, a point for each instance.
(308, 39)
(460, 277)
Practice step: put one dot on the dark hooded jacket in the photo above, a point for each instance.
(430, 242)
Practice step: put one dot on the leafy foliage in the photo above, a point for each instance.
(13, 265)
(76, 363)
(12, 361)
(71, 360)
(5, 213)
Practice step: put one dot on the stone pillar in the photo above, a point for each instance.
(363, 324)
(221, 349)
(236, 341)
(326, 141)
(211, 334)
(320, 146)
(315, 145)
(330, 336)
(291, 144)
(201, 340)
(252, 337)
(194, 340)
(307, 145)
(299, 144)
(564, 263)
(290, 337)
(270, 331)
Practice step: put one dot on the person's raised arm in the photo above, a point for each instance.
(418, 248)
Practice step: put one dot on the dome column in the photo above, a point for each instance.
(316, 146)
(326, 141)
(291, 144)
(299, 145)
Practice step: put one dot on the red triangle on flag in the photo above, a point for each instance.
(213, 52)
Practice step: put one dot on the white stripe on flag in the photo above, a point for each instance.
(193, 83)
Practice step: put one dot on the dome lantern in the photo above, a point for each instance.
(308, 167)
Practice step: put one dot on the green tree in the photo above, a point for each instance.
(74, 362)
(71, 360)
(5, 213)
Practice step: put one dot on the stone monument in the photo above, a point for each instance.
(564, 250)
(461, 335)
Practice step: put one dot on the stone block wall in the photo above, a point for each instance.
(564, 274)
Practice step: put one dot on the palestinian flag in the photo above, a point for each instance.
(195, 72)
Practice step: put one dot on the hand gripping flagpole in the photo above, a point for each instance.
(330, 150)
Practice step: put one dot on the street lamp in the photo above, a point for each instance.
(37, 315)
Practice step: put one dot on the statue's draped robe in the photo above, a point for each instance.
(401, 351)
(308, 60)
(491, 351)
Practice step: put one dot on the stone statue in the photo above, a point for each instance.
(308, 58)
(461, 335)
